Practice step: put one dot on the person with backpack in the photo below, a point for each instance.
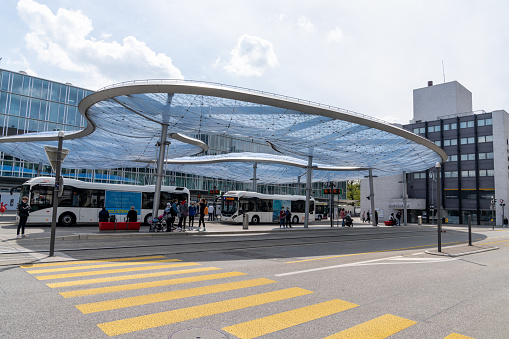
(288, 217)
(183, 213)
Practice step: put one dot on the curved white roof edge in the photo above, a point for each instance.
(242, 94)
(212, 160)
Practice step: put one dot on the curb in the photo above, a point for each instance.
(463, 253)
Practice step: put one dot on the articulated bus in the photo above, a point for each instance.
(262, 207)
(81, 201)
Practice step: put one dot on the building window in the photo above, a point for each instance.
(438, 143)
(485, 138)
(490, 173)
(416, 130)
(467, 174)
(419, 175)
(480, 122)
(465, 141)
(454, 126)
(446, 127)
(453, 157)
(482, 173)
(422, 130)
(431, 129)
(488, 122)
(451, 174)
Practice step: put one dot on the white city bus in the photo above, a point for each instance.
(321, 210)
(81, 201)
(262, 207)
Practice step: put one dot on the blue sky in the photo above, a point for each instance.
(364, 56)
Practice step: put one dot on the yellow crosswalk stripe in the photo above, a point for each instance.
(262, 326)
(378, 328)
(77, 268)
(78, 262)
(457, 336)
(129, 277)
(166, 296)
(130, 287)
(118, 270)
(171, 317)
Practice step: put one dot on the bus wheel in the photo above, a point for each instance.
(147, 218)
(67, 219)
(295, 220)
(255, 219)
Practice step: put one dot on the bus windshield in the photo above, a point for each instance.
(229, 205)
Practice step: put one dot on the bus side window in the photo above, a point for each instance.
(41, 197)
(67, 197)
(147, 200)
(251, 206)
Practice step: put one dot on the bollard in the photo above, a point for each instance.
(419, 220)
(469, 230)
(245, 222)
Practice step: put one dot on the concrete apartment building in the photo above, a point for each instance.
(474, 179)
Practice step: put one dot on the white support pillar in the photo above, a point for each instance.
(159, 166)
(308, 190)
(372, 197)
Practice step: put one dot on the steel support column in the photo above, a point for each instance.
(255, 183)
(56, 191)
(372, 197)
(159, 166)
(405, 197)
(308, 190)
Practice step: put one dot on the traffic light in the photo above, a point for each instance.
(217, 192)
(334, 191)
(326, 191)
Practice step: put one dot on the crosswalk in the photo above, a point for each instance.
(105, 286)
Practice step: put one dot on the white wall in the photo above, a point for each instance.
(439, 100)
(500, 159)
(385, 189)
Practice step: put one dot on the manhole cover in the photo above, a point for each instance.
(198, 333)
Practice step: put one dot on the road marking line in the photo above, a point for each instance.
(366, 263)
(77, 268)
(129, 277)
(175, 316)
(262, 326)
(378, 328)
(118, 270)
(77, 262)
(130, 287)
(115, 304)
(457, 336)
(382, 251)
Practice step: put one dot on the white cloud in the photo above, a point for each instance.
(306, 24)
(251, 56)
(64, 40)
(336, 35)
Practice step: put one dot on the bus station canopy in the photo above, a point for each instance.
(126, 121)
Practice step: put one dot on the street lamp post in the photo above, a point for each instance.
(439, 204)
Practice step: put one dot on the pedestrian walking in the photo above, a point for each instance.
(288, 217)
(363, 218)
(342, 214)
(282, 218)
(203, 211)
(368, 217)
(23, 211)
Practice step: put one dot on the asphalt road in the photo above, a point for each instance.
(352, 283)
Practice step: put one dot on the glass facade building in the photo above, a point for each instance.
(31, 104)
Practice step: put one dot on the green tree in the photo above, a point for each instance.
(353, 190)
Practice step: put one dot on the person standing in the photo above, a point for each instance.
(368, 217)
(132, 215)
(363, 218)
(282, 217)
(376, 218)
(211, 213)
(203, 211)
(398, 218)
(104, 215)
(342, 214)
(184, 212)
(23, 211)
(192, 213)
(288, 217)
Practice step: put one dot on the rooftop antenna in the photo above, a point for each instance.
(443, 70)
